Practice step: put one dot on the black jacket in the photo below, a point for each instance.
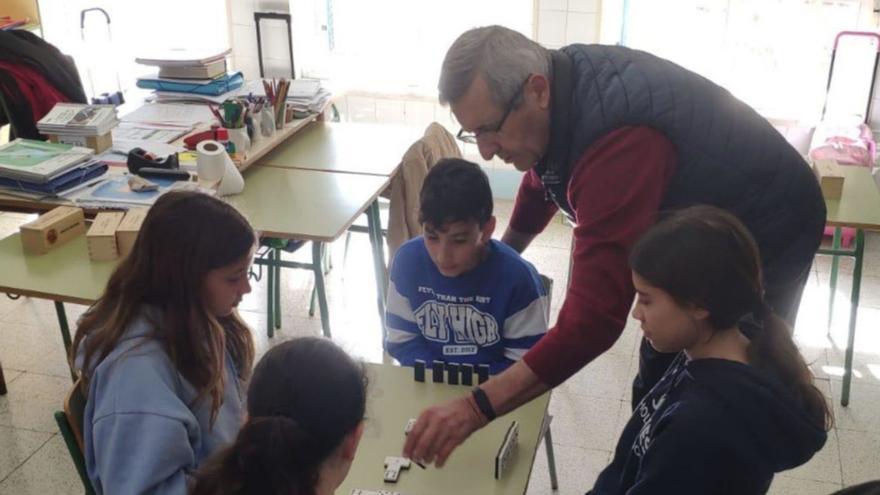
(728, 155)
(710, 426)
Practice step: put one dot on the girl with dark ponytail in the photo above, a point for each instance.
(305, 406)
(738, 404)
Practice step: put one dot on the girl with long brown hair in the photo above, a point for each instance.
(163, 353)
(738, 404)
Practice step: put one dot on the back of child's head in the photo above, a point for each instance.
(706, 257)
(305, 397)
(455, 190)
(183, 237)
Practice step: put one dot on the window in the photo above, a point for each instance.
(136, 28)
(772, 54)
(391, 46)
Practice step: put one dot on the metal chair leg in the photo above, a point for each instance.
(832, 282)
(853, 316)
(270, 296)
(277, 292)
(2, 381)
(317, 250)
(551, 457)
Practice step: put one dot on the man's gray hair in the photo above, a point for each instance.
(503, 57)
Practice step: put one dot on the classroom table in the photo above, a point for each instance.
(859, 208)
(350, 148)
(374, 149)
(394, 397)
(320, 207)
(289, 204)
(65, 274)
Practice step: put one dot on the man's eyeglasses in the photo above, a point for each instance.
(471, 137)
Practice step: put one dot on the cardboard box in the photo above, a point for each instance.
(98, 143)
(127, 232)
(52, 229)
(101, 237)
(830, 178)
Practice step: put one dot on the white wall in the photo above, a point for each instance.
(563, 22)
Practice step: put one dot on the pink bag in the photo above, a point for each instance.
(848, 145)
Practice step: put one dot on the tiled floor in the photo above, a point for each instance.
(590, 408)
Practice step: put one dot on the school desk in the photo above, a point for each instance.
(394, 397)
(375, 149)
(351, 148)
(859, 208)
(311, 205)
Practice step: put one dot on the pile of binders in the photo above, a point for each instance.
(190, 72)
(37, 168)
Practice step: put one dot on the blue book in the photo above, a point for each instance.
(68, 180)
(209, 87)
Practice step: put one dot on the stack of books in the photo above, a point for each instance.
(190, 74)
(46, 169)
(307, 96)
(81, 125)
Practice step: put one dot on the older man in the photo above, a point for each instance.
(613, 136)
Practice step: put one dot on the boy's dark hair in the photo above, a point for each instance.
(455, 190)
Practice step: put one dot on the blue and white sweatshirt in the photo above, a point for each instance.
(141, 430)
(490, 315)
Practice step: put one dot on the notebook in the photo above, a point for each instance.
(38, 161)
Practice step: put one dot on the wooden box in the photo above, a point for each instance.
(52, 229)
(128, 229)
(830, 178)
(101, 237)
(98, 143)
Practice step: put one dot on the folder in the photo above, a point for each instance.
(212, 87)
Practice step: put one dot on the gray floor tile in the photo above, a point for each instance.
(783, 485)
(576, 469)
(860, 456)
(16, 446)
(32, 400)
(50, 470)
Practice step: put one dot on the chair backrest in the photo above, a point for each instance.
(70, 422)
(403, 210)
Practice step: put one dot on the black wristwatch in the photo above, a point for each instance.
(483, 403)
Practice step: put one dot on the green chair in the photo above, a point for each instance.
(70, 422)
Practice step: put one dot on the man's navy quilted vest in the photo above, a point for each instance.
(728, 155)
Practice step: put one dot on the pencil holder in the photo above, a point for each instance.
(267, 122)
(240, 139)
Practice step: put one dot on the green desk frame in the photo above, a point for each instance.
(857, 253)
(858, 208)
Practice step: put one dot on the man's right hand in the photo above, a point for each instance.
(440, 429)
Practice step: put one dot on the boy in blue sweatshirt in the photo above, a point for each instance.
(455, 294)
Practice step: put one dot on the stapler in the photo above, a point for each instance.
(143, 163)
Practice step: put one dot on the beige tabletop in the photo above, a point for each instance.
(305, 204)
(859, 205)
(345, 147)
(63, 274)
(394, 397)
